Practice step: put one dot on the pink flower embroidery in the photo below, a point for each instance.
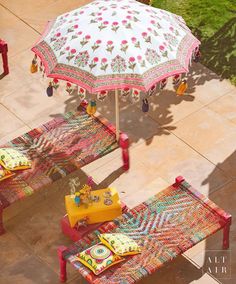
(70, 54)
(134, 39)
(58, 34)
(96, 45)
(85, 40)
(139, 57)
(163, 51)
(115, 26)
(103, 25)
(124, 46)
(76, 26)
(67, 48)
(132, 63)
(104, 64)
(93, 63)
(110, 46)
(146, 37)
(126, 24)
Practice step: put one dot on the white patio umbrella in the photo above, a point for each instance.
(116, 45)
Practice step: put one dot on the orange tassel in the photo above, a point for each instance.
(182, 88)
(34, 65)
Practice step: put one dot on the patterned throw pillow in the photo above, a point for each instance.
(4, 174)
(98, 258)
(12, 159)
(120, 244)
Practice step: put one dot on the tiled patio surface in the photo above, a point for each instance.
(193, 136)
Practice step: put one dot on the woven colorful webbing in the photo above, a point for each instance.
(56, 149)
(164, 226)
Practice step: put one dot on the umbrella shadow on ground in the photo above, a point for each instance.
(224, 197)
(218, 51)
(160, 119)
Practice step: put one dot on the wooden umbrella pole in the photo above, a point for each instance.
(117, 115)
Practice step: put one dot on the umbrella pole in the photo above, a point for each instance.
(117, 115)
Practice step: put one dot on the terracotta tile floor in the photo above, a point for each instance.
(193, 136)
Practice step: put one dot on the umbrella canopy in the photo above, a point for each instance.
(115, 44)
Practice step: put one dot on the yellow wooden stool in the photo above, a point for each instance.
(106, 206)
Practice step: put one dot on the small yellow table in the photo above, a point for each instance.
(105, 209)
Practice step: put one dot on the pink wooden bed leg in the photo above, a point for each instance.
(62, 261)
(2, 231)
(226, 231)
(4, 50)
(124, 144)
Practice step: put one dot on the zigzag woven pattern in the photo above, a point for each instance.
(56, 149)
(164, 226)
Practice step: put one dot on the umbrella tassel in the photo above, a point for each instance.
(91, 108)
(49, 90)
(34, 65)
(182, 88)
(145, 106)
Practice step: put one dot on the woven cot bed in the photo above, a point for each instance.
(57, 149)
(165, 226)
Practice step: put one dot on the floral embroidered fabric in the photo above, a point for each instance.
(116, 43)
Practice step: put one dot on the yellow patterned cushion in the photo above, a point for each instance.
(12, 159)
(4, 174)
(98, 258)
(120, 244)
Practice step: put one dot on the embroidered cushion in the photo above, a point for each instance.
(12, 159)
(98, 258)
(5, 173)
(120, 244)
